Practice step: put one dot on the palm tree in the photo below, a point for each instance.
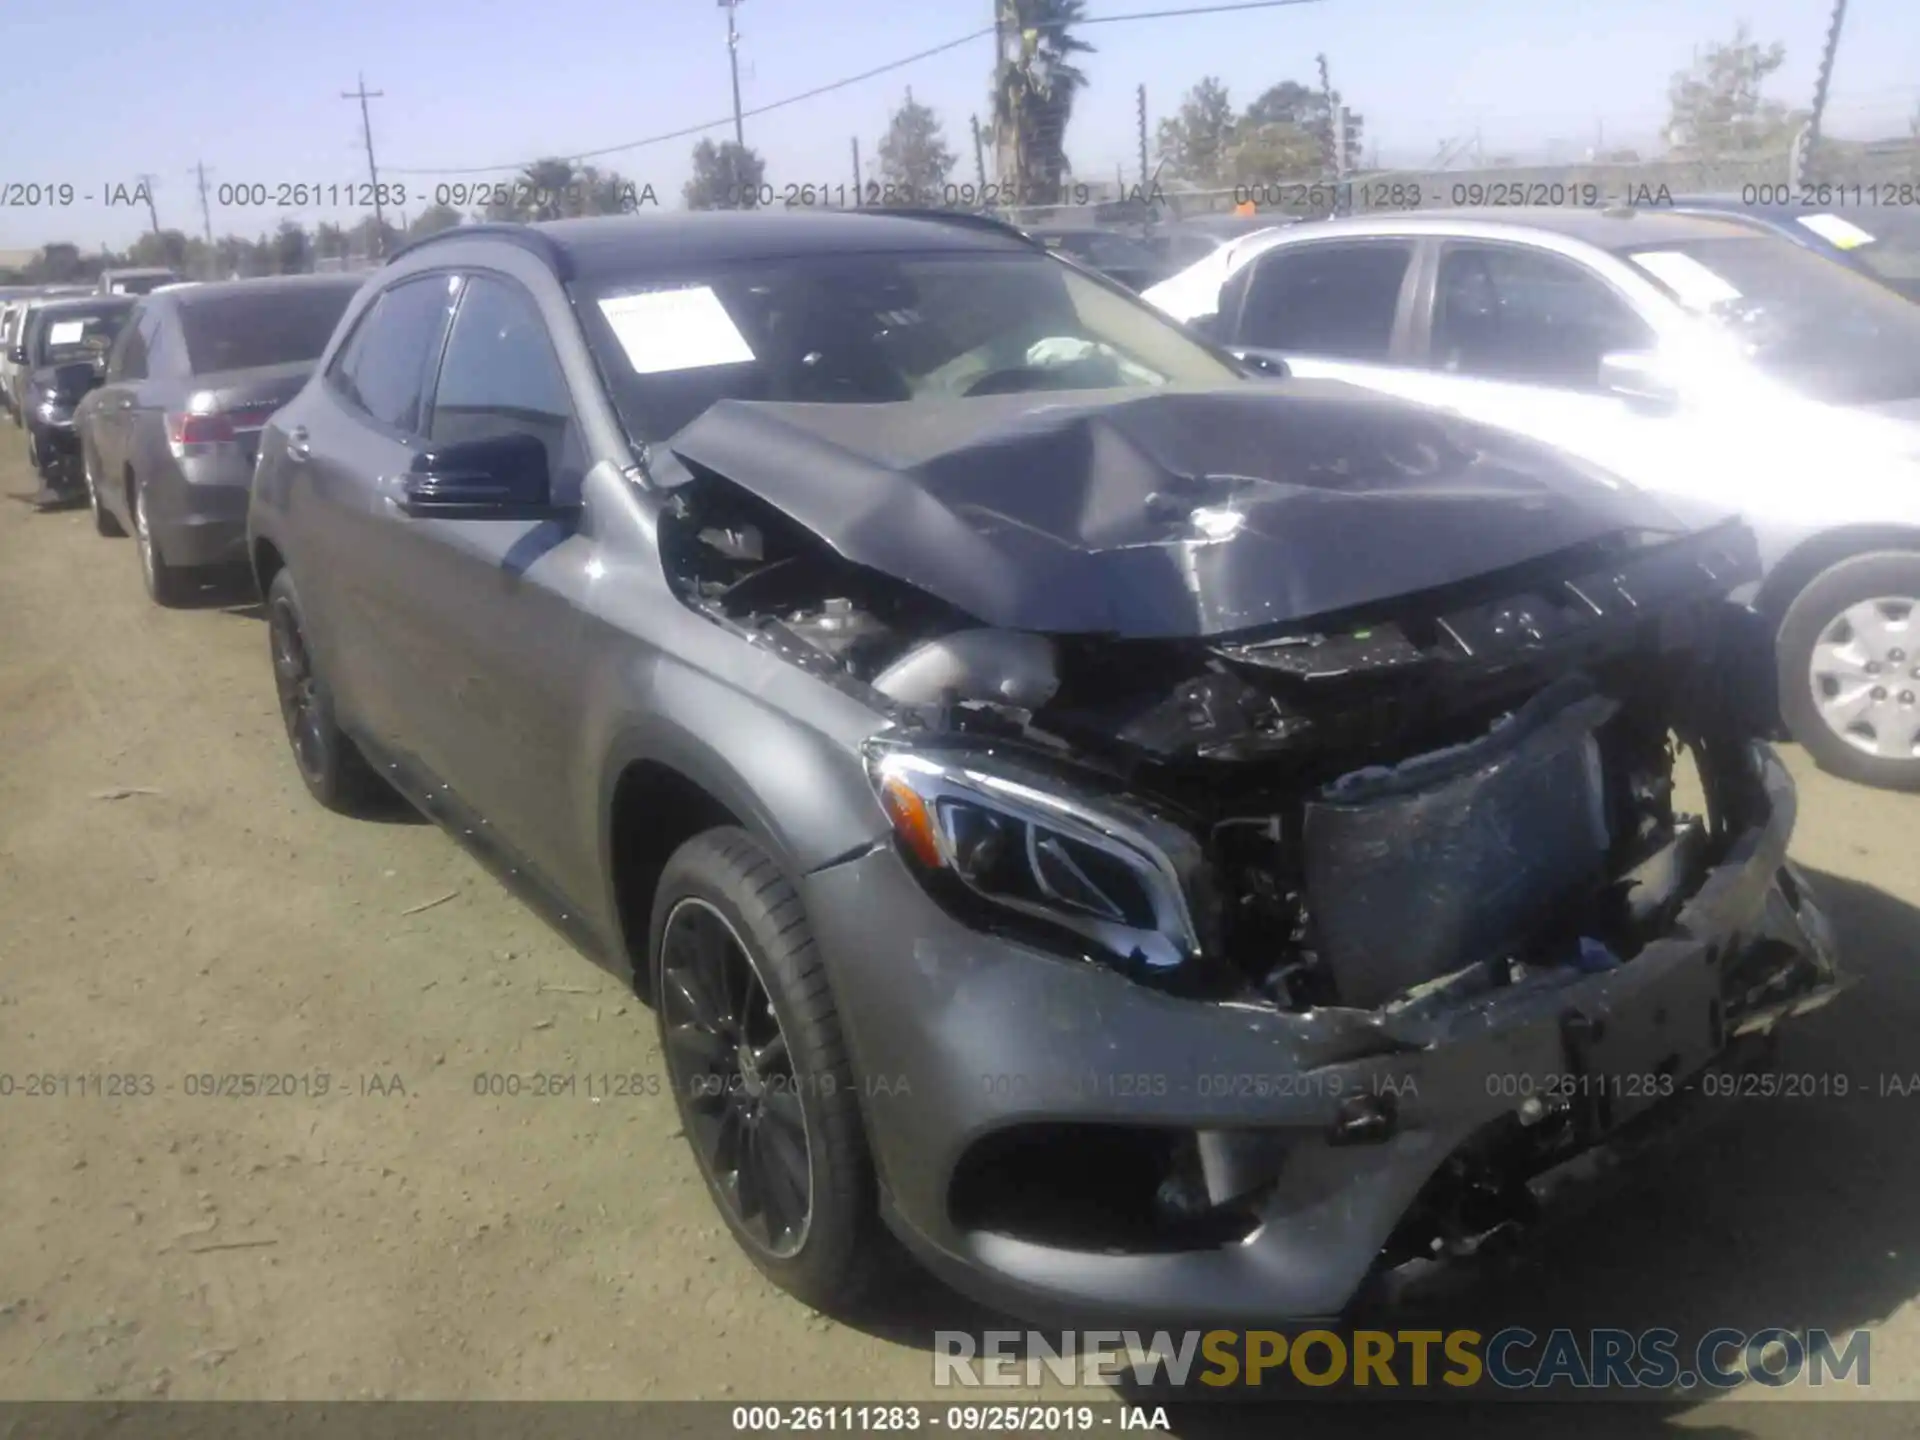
(1034, 89)
(542, 191)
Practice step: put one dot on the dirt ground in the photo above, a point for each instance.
(172, 905)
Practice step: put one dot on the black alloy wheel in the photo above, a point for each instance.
(766, 1092)
(729, 1058)
(330, 764)
(298, 687)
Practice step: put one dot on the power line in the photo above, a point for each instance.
(841, 84)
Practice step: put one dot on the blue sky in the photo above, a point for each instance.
(252, 87)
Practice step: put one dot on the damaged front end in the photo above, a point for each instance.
(1412, 837)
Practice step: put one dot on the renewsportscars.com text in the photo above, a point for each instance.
(1510, 1359)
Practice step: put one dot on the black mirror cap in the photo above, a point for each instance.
(503, 477)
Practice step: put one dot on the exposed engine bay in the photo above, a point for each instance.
(1381, 807)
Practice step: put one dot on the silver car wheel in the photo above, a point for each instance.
(142, 534)
(1865, 675)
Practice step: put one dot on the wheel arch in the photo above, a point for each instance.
(663, 784)
(1815, 555)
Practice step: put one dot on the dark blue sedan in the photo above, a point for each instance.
(1882, 242)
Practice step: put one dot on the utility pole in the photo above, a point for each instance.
(206, 215)
(1821, 85)
(379, 246)
(858, 184)
(1140, 124)
(979, 159)
(153, 215)
(733, 61)
(1329, 138)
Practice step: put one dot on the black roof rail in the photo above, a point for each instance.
(511, 231)
(971, 219)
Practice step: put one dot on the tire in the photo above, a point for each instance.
(330, 764)
(103, 521)
(167, 585)
(725, 876)
(1860, 623)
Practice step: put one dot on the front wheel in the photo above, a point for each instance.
(1849, 654)
(759, 1071)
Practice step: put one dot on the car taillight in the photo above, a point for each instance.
(184, 429)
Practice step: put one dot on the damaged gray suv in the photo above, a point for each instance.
(1156, 841)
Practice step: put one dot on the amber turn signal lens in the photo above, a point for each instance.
(911, 822)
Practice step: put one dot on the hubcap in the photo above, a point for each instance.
(294, 679)
(1858, 664)
(727, 1057)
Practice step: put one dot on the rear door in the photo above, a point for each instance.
(344, 440)
(1332, 309)
(108, 409)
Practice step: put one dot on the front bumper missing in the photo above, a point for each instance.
(960, 1036)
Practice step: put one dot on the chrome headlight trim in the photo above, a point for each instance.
(1159, 855)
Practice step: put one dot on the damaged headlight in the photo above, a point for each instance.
(1111, 873)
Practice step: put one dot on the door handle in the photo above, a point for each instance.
(298, 446)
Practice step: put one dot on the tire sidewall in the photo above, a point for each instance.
(1861, 577)
(325, 784)
(711, 868)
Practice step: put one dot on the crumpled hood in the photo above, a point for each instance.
(1167, 513)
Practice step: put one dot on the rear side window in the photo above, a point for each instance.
(1332, 300)
(128, 360)
(383, 366)
(278, 325)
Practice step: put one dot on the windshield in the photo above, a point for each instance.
(1800, 317)
(277, 325)
(130, 283)
(66, 336)
(867, 329)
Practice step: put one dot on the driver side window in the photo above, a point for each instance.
(1505, 312)
(500, 376)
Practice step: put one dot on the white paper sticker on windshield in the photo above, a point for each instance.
(1696, 285)
(684, 329)
(66, 332)
(1835, 231)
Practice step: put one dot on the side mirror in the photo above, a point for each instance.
(1641, 377)
(503, 477)
(76, 378)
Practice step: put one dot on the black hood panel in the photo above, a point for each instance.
(1165, 514)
